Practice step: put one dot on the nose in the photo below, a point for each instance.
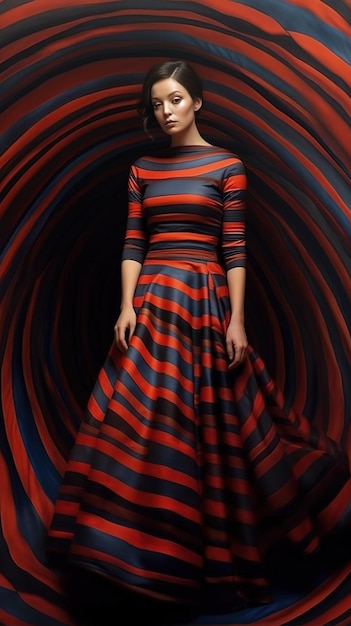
(167, 109)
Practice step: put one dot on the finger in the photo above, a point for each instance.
(123, 345)
(230, 350)
(238, 358)
(241, 356)
(231, 358)
(121, 340)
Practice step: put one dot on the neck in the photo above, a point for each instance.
(190, 139)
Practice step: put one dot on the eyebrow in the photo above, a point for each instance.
(168, 96)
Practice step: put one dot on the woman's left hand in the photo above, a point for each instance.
(236, 342)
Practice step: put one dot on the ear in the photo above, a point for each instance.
(197, 104)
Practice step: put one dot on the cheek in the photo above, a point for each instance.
(189, 111)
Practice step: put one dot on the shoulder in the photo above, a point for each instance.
(141, 161)
(150, 160)
(230, 162)
(219, 155)
(232, 171)
(141, 167)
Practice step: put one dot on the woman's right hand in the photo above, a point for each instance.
(124, 328)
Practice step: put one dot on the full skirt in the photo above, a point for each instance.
(185, 476)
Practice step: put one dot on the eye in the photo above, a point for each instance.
(156, 105)
(176, 100)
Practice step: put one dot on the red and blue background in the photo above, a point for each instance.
(277, 81)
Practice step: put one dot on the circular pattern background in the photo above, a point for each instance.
(277, 93)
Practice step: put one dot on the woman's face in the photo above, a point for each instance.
(174, 108)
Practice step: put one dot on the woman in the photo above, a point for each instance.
(187, 475)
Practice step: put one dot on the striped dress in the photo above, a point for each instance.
(185, 476)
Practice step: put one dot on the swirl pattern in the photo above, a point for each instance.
(277, 93)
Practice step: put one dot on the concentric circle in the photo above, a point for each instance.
(277, 93)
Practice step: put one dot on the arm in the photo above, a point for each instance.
(125, 324)
(236, 340)
(234, 254)
(132, 259)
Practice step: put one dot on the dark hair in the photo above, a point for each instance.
(180, 71)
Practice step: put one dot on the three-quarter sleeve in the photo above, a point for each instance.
(234, 186)
(135, 241)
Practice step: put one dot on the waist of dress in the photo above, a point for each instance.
(183, 254)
